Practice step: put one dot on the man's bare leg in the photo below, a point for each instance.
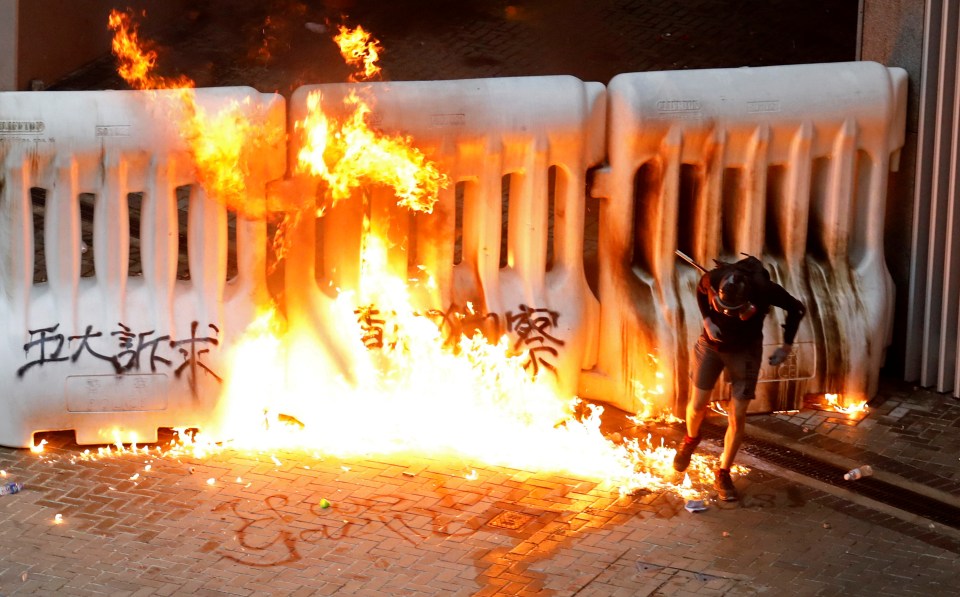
(697, 410)
(736, 421)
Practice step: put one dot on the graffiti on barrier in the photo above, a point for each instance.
(135, 352)
(533, 328)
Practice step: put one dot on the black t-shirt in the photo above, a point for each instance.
(762, 293)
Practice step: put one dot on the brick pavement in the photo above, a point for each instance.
(417, 526)
(254, 524)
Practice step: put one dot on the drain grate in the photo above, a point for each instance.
(870, 487)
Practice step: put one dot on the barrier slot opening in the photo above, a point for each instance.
(505, 220)
(776, 211)
(458, 222)
(688, 222)
(647, 185)
(183, 194)
(87, 203)
(38, 199)
(134, 209)
(556, 182)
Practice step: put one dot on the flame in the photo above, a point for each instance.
(221, 144)
(415, 393)
(834, 402)
(403, 387)
(361, 50)
(348, 154)
(136, 64)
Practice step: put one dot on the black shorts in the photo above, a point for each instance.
(743, 368)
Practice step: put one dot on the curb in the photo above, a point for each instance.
(848, 463)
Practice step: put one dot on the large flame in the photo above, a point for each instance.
(412, 390)
(415, 393)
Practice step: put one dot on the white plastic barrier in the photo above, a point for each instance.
(787, 163)
(115, 356)
(478, 132)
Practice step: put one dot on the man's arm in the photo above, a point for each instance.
(703, 301)
(795, 312)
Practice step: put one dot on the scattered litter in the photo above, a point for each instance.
(472, 476)
(211, 481)
(933, 526)
(191, 470)
(826, 525)
(694, 506)
(858, 473)
(11, 487)
(324, 503)
(135, 477)
(806, 429)
(407, 474)
(58, 519)
(726, 534)
(24, 577)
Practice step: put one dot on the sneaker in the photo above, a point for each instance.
(684, 452)
(724, 486)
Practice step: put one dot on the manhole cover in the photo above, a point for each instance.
(513, 521)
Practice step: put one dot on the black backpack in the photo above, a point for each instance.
(749, 266)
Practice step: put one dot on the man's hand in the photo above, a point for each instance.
(780, 354)
(712, 329)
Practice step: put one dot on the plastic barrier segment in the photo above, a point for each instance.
(516, 152)
(126, 344)
(787, 163)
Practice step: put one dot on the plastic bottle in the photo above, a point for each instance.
(11, 487)
(859, 472)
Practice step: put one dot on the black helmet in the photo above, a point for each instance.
(732, 294)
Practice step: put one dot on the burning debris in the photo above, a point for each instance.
(359, 50)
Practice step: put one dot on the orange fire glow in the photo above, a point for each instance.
(349, 154)
(835, 401)
(416, 392)
(360, 50)
(222, 144)
(135, 63)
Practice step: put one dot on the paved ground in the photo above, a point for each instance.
(152, 523)
(254, 524)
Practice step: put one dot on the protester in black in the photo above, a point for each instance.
(734, 299)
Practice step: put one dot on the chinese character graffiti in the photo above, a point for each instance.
(371, 323)
(135, 351)
(533, 328)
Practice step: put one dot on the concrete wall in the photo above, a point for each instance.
(47, 39)
(891, 33)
